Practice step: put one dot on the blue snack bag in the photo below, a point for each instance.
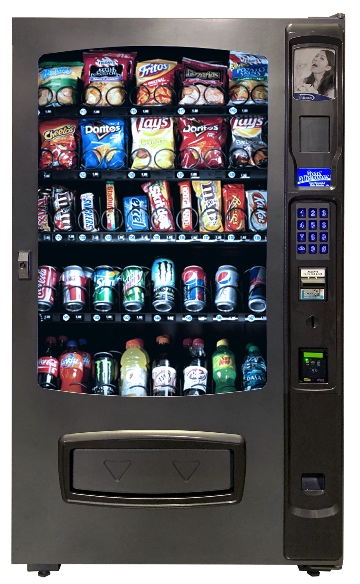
(103, 143)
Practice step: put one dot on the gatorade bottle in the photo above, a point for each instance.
(224, 369)
(141, 343)
(133, 372)
(72, 369)
(253, 369)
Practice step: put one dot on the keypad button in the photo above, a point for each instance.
(312, 248)
(301, 248)
(324, 213)
(301, 236)
(324, 225)
(301, 225)
(313, 236)
(312, 213)
(312, 225)
(324, 248)
(301, 213)
(324, 236)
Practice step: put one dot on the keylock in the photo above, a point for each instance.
(24, 265)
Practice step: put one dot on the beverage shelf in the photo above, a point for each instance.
(95, 317)
(151, 237)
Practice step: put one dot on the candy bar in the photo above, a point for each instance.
(185, 206)
(88, 212)
(111, 207)
(257, 210)
(158, 192)
(234, 207)
(209, 204)
(136, 213)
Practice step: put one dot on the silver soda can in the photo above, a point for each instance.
(226, 284)
(73, 288)
(163, 279)
(257, 289)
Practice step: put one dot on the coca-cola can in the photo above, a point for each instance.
(257, 289)
(48, 279)
(194, 283)
(73, 286)
(226, 284)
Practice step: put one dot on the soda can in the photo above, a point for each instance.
(226, 283)
(133, 287)
(163, 279)
(104, 372)
(105, 280)
(48, 279)
(73, 288)
(257, 289)
(194, 281)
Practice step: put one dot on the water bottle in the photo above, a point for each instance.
(224, 368)
(253, 369)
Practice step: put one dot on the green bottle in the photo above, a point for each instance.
(224, 368)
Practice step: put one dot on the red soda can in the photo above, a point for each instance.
(73, 286)
(48, 279)
(194, 282)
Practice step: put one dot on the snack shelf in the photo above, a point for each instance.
(111, 317)
(245, 174)
(82, 111)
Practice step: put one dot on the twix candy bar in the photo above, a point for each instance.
(111, 206)
(185, 205)
(234, 207)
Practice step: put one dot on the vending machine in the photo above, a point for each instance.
(178, 189)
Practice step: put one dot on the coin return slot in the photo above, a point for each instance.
(313, 483)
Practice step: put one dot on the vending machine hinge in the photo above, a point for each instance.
(24, 265)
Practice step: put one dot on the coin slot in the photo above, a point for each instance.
(312, 322)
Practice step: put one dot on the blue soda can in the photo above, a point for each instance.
(194, 281)
(163, 279)
(257, 289)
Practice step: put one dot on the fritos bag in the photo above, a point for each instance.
(155, 82)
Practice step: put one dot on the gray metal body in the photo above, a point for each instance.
(46, 529)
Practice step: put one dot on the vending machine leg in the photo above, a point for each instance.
(315, 570)
(43, 570)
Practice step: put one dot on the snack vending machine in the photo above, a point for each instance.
(178, 193)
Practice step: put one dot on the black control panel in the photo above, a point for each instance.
(312, 230)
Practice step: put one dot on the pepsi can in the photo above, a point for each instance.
(194, 283)
(163, 280)
(226, 284)
(257, 289)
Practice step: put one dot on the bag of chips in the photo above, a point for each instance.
(248, 147)
(202, 83)
(155, 82)
(59, 83)
(106, 76)
(248, 78)
(209, 204)
(104, 143)
(58, 144)
(153, 143)
(202, 142)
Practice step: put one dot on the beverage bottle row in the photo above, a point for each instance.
(68, 366)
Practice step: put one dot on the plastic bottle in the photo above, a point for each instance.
(196, 373)
(48, 365)
(141, 343)
(163, 371)
(253, 369)
(87, 361)
(133, 372)
(224, 368)
(61, 345)
(72, 369)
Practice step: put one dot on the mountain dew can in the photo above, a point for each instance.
(133, 286)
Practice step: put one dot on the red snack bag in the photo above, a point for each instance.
(58, 143)
(155, 82)
(202, 83)
(234, 207)
(185, 205)
(202, 142)
(158, 192)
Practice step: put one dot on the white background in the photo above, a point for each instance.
(154, 574)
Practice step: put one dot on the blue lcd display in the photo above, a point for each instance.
(313, 177)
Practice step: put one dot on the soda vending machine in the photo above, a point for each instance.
(185, 248)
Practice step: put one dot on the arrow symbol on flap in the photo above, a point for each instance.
(186, 468)
(117, 469)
